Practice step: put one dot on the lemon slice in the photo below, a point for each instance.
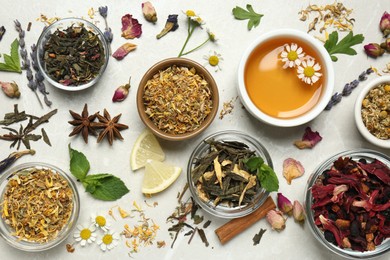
(158, 176)
(146, 147)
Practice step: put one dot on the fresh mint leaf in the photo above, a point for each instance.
(12, 62)
(253, 163)
(79, 165)
(109, 188)
(344, 46)
(242, 14)
(265, 174)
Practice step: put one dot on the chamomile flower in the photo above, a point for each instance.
(292, 55)
(85, 235)
(194, 17)
(214, 59)
(211, 35)
(308, 72)
(108, 241)
(101, 221)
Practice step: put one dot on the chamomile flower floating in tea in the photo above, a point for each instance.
(108, 241)
(292, 55)
(85, 235)
(101, 222)
(214, 59)
(309, 71)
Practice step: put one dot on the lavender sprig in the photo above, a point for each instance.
(25, 60)
(103, 11)
(38, 76)
(348, 88)
(2, 31)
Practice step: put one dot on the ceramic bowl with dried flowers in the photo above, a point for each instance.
(285, 78)
(372, 112)
(177, 99)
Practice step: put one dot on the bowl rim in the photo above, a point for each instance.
(165, 63)
(318, 234)
(67, 229)
(357, 111)
(207, 207)
(102, 69)
(325, 60)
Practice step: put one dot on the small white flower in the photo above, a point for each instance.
(214, 59)
(308, 72)
(101, 222)
(292, 55)
(108, 241)
(85, 235)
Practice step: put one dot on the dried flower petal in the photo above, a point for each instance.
(276, 219)
(10, 89)
(149, 12)
(384, 24)
(131, 28)
(292, 169)
(309, 139)
(298, 211)
(122, 51)
(284, 204)
(170, 25)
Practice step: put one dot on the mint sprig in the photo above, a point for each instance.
(102, 186)
(12, 62)
(344, 46)
(266, 175)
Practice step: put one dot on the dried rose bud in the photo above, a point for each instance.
(10, 89)
(386, 45)
(121, 93)
(284, 204)
(149, 12)
(384, 24)
(298, 211)
(122, 51)
(276, 219)
(374, 50)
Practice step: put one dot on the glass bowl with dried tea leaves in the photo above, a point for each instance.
(39, 206)
(347, 203)
(72, 54)
(220, 178)
(177, 99)
(372, 112)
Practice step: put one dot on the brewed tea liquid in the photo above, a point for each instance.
(276, 91)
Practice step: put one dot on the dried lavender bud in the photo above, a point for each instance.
(354, 83)
(18, 25)
(347, 90)
(39, 77)
(108, 35)
(21, 33)
(23, 52)
(31, 84)
(2, 31)
(29, 74)
(103, 11)
(363, 76)
(369, 71)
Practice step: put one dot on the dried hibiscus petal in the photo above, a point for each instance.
(309, 139)
(292, 169)
(122, 51)
(131, 28)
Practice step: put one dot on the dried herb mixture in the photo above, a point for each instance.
(37, 204)
(177, 99)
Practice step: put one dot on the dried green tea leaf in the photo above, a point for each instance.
(256, 239)
(203, 237)
(45, 137)
(206, 224)
(198, 219)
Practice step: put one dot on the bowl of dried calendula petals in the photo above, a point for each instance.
(39, 206)
(372, 112)
(177, 99)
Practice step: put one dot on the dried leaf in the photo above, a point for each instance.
(292, 169)
(45, 137)
(256, 239)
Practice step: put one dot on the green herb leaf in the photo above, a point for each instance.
(344, 46)
(253, 163)
(79, 165)
(266, 175)
(12, 63)
(109, 188)
(242, 14)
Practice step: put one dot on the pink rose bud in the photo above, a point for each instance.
(284, 204)
(121, 93)
(373, 50)
(10, 89)
(298, 211)
(276, 219)
(149, 12)
(384, 24)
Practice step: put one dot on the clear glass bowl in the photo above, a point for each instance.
(221, 210)
(6, 230)
(355, 154)
(62, 25)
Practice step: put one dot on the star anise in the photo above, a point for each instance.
(83, 123)
(111, 127)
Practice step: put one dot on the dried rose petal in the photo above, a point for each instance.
(292, 169)
(122, 51)
(131, 28)
(309, 139)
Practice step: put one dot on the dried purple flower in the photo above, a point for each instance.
(2, 31)
(149, 12)
(122, 51)
(309, 139)
(131, 28)
(103, 11)
(373, 50)
(384, 24)
(121, 92)
(170, 25)
(284, 204)
(108, 35)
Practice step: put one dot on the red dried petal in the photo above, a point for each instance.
(131, 28)
(309, 139)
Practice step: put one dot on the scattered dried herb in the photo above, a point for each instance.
(375, 111)
(249, 14)
(39, 79)
(37, 204)
(2, 32)
(73, 56)
(4, 164)
(70, 248)
(16, 116)
(12, 61)
(177, 100)
(227, 108)
(351, 204)
(83, 123)
(256, 239)
(102, 186)
(333, 46)
(45, 137)
(103, 11)
(29, 26)
(206, 224)
(111, 127)
(47, 21)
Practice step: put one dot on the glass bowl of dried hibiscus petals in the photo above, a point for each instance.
(347, 202)
(223, 175)
(39, 206)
